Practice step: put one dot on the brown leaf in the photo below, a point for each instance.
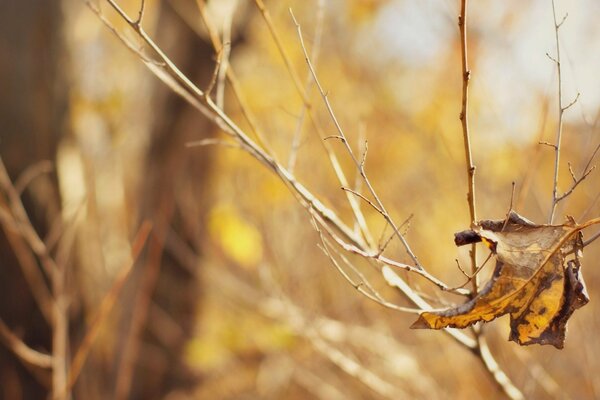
(536, 280)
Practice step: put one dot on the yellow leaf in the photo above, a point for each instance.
(536, 280)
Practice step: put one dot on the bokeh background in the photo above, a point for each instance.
(232, 297)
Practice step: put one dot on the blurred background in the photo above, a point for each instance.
(231, 297)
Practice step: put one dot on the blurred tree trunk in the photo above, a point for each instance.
(174, 195)
(33, 115)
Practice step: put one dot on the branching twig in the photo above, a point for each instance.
(354, 204)
(576, 181)
(370, 293)
(561, 111)
(166, 71)
(171, 75)
(54, 306)
(359, 165)
(377, 256)
(470, 277)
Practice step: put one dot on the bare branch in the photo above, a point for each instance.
(464, 119)
(556, 198)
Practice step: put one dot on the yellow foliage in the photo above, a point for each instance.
(239, 239)
(228, 332)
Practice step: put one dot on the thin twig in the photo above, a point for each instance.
(138, 21)
(383, 246)
(213, 142)
(362, 196)
(377, 256)
(166, 71)
(106, 306)
(24, 223)
(215, 74)
(141, 306)
(591, 239)
(226, 51)
(470, 277)
(464, 119)
(341, 134)
(316, 48)
(360, 285)
(500, 377)
(21, 350)
(233, 81)
(32, 172)
(282, 50)
(172, 76)
(561, 111)
(354, 204)
(576, 181)
(29, 266)
(510, 207)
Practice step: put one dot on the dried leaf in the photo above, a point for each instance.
(537, 280)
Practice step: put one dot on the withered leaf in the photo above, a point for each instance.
(537, 280)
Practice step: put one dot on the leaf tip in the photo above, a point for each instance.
(421, 323)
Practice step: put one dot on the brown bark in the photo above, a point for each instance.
(33, 108)
(174, 195)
